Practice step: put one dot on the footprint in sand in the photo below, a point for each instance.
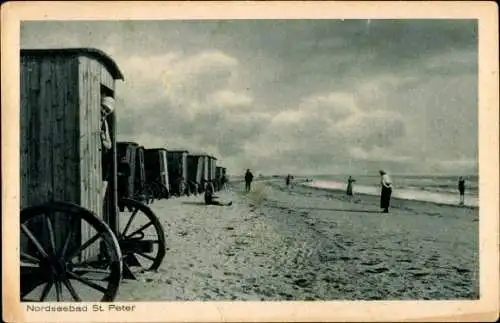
(419, 274)
(301, 282)
(376, 270)
(461, 270)
(370, 262)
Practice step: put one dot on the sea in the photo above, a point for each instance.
(434, 189)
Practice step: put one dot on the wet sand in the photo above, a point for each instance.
(309, 244)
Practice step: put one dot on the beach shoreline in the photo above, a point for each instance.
(275, 244)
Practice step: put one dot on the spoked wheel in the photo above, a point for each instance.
(142, 237)
(67, 254)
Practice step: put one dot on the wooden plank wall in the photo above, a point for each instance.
(49, 132)
(132, 160)
(141, 178)
(90, 77)
(214, 167)
(184, 166)
(199, 172)
(164, 168)
(205, 167)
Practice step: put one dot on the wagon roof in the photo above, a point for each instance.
(155, 149)
(97, 54)
(178, 151)
(127, 143)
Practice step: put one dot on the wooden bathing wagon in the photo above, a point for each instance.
(157, 172)
(194, 173)
(212, 162)
(133, 154)
(198, 170)
(73, 245)
(177, 171)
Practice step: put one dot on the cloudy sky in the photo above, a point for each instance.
(301, 96)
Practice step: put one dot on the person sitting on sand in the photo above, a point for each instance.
(350, 181)
(385, 196)
(461, 189)
(210, 196)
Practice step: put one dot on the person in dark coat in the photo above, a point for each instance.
(210, 197)
(385, 196)
(224, 182)
(248, 180)
(461, 189)
(350, 181)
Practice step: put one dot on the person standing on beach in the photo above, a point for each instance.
(248, 180)
(210, 196)
(287, 180)
(461, 189)
(350, 181)
(385, 196)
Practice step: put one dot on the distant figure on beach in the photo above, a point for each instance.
(210, 196)
(350, 181)
(248, 180)
(385, 196)
(288, 179)
(223, 182)
(461, 189)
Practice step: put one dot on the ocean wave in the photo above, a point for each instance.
(406, 193)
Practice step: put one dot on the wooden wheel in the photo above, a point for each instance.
(142, 237)
(67, 254)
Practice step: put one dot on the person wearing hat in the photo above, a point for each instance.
(107, 107)
(385, 196)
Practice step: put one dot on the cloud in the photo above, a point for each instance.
(305, 95)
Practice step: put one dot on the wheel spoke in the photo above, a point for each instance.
(130, 221)
(29, 265)
(146, 256)
(51, 233)
(34, 240)
(139, 230)
(71, 290)
(67, 241)
(58, 290)
(91, 270)
(46, 290)
(29, 257)
(84, 246)
(87, 282)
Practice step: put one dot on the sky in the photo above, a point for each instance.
(293, 96)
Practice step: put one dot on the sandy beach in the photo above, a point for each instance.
(309, 244)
